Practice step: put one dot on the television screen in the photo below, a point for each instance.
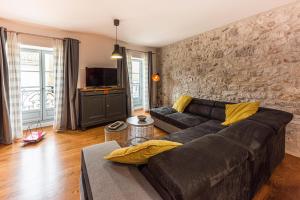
(101, 77)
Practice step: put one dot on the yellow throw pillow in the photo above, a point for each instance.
(182, 102)
(140, 153)
(239, 111)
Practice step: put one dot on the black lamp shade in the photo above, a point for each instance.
(116, 53)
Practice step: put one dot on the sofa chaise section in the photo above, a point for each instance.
(254, 137)
(210, 167)
(249, 134)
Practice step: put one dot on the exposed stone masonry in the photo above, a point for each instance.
(257, 58)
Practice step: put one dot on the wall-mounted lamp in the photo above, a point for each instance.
(155, 77)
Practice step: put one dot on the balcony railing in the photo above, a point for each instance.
(31, 98)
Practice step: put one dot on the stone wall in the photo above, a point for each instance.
(257, 58)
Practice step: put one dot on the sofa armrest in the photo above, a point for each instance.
(102, 179)
(273, 118)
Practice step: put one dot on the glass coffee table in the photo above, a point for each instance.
(140, 131)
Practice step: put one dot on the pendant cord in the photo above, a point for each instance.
(116, 34)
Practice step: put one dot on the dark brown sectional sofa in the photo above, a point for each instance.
(216, 161)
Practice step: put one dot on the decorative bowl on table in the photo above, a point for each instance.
(142, 118)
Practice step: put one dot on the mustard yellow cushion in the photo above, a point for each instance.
(239, 111)
(140, 153)
(182, 102)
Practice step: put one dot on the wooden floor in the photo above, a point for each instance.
(51, 169)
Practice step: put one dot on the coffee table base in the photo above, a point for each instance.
(137, 134)
(137, 140)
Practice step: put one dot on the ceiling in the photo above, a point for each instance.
(152, 23)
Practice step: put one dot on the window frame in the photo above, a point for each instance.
(42, 114)
(139, 104)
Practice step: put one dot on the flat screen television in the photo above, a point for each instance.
(101, 77)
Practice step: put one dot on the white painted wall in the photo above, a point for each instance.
(94, 50)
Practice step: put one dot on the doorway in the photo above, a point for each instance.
(137, 82)
(37, 84)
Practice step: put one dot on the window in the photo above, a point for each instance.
(137, 82)
(37, 84)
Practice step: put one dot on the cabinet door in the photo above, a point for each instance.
(115, 106)
(93, 109)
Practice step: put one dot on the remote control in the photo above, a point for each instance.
(115, 125)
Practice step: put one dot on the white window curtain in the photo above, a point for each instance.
(15, 100)
(145, 83)
(59, 82)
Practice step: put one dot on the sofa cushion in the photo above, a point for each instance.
(212, 126)
(273, 118)
(184, 120)
(251, 135)
(161, 112)
(189, 134)
(200, 107)
(186, 135)
(200, 165)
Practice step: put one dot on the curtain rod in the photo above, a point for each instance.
(139, 51)
(45, 36)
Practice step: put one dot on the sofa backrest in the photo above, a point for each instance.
(201, 107)
(207, 108)
(216, 110)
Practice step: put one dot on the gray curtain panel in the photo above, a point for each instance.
(71, 67)
(5, 128)
(150, 82)
(124, 79)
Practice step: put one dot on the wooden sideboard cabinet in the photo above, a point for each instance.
(99, 106)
